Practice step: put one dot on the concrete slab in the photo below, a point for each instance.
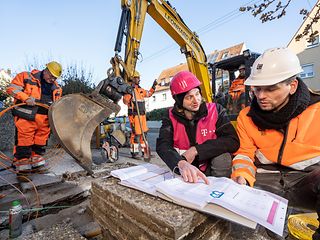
(125, 213)
(59, 164)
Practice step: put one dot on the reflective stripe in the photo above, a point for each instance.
(38, 164)
(241, 165)
(15, 86)
(15, 92)
(134, 148)
(20, 109)
(262, 170)
(23, 167)
(242, 157)
(306, 163)
(262, 158)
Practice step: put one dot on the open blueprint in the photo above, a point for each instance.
(265, 208)
(222, 197)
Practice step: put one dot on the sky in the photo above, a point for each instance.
(83, 32)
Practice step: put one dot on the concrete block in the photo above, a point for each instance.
(125, 213)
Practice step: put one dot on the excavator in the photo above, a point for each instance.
(74, 117)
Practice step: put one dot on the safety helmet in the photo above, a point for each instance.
(183, 82)
(136, 74)
(242, 66)
(273, 66)
(54, 68)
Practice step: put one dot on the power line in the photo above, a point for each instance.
(204, 30)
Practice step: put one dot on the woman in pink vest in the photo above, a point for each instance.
(196, 138)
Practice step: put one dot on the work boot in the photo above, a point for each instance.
(135, 156)
(22, 165)
(38, 161)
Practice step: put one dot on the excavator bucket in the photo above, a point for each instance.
(73, 119)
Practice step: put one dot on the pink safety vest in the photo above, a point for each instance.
(206, 130)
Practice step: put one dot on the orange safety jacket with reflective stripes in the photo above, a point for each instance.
(140, 94)
(237, 88)
(300, 144)
(28, 84)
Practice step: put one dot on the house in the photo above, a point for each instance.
(162, 97)
(5, 79)
(308, 52)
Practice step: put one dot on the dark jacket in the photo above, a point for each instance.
(226, 141)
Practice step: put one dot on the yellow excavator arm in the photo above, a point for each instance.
(75, 116)
(132, 23)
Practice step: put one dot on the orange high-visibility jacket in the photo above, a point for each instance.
(301, 144)
(237, 88)
(27, 84)
(141, 94)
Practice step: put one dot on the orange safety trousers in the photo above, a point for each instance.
(136, 133)
(32, 132)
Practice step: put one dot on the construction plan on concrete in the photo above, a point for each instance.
(222, 197)
(265, 208)
(146, 178)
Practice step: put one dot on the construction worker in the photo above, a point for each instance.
(31, 121)
(132, 103)
(236, 98)
(279, 133)
(195, 138)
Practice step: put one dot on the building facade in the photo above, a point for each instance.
(308, 52)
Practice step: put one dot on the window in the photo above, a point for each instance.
(153, 98)
(307, 71)
(224, 55)
(164, 97)
(314, 43)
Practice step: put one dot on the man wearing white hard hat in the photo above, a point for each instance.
(279, 133)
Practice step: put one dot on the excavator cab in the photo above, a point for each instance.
(224, 74)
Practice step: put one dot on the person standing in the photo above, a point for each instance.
(196, 139)
(31, 121)
(279, 133)
(135, 103)
(237, 99)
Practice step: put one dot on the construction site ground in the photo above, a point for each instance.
(63, 197)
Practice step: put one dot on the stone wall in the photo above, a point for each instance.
(7, 130)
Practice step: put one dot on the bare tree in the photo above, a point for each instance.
(274, 9)
(76, 79)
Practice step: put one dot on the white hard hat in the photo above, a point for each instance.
(273, 66)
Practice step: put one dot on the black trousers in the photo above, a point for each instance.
(302, 189)
(220, 166)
